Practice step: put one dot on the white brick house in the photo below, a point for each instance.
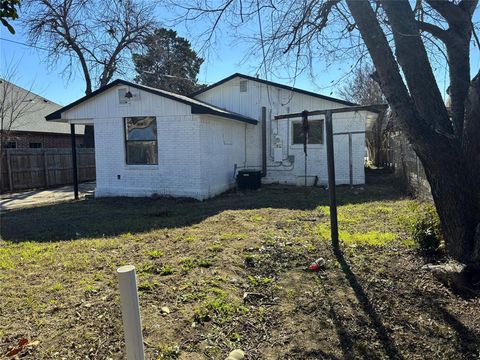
(150, 141)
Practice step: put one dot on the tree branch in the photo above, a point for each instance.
(387, 68)
(412, 56)
(436, 31)
(449, 10)
(468, 6)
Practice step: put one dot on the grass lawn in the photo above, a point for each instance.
(232, 273)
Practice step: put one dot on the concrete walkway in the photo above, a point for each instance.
(27, 199)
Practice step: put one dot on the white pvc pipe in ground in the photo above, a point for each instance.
(132, 322)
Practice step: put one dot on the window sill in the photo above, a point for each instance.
(311, 146)
(141, 167)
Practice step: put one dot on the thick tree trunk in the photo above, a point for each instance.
(423, 118)
(455, 195)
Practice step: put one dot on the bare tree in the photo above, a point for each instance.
(97, 35)
(397, 38)
(15, 103)
(362, 89)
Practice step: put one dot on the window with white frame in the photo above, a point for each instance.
(141, 146)
(315, 132)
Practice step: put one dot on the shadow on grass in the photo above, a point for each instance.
(346, 343)
(467, 341)
(375, 319)
(95, 218)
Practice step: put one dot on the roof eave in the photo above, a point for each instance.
(197, 109)
(271, 83)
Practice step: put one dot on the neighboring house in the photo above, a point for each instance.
(149, 141)
(27, 127)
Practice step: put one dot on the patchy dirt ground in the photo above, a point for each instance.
(232, 273)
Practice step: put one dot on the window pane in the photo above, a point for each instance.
(315, 132)
(297, 133)
(141, 128)
(10, 145)
(35, 145)
(142, 152)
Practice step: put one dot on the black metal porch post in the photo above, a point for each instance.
(74, 160)
(331, 179)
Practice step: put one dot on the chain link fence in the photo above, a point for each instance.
(408, 168)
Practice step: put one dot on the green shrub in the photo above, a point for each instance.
(426, 230)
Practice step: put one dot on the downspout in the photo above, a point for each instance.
(264, 141)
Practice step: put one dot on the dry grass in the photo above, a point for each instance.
(372, 301)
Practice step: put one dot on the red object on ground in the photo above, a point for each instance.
(14, 351)
(317, 264)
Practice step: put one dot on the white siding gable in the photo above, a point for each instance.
(107, 105)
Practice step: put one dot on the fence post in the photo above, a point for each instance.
(45, 165)
(9, 169)
(132, 322)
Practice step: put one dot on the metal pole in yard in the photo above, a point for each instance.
(132, 322)
(350, 159)
(331, 178)
(74, 160)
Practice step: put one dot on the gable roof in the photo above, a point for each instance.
(271, 83)
(32, 118)
(197, 106)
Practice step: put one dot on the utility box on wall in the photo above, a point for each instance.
(277, 154)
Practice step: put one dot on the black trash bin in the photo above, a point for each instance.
(249, 179)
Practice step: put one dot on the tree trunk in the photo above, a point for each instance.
(456, 201)
(89, 136)
(424, 120)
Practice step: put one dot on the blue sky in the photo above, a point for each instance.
(222, 62)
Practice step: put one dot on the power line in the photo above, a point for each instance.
(67, 54)
(28, 45)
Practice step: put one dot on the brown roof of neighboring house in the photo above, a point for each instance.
(33, 117)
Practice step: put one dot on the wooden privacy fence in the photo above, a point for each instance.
(42, 168)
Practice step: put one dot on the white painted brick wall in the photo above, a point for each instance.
(196, 153)
(281, 101)
(178, 170)
(222, 146)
